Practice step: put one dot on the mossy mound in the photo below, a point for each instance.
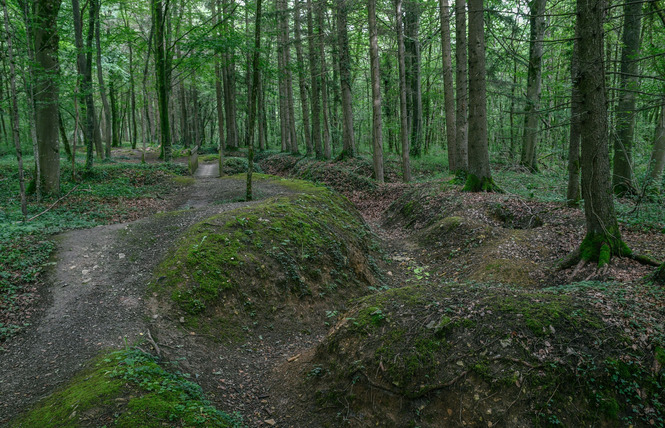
(280, 263)
(344, 176)
(236, 165)
(126, 388)
(482, 355)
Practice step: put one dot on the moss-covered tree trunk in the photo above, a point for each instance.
(603, 238)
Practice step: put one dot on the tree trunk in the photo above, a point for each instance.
(253, 92)
(404, 135)
(573, 194)
(302, 80)
(115, 137)
(377, 130)
(315, 77)
(622, 177)
(327, 150)
(448, 89)
(462, 126)
(14, 111)
(603, 238)
(63, 136)
(159, 22)
(533, 88)
(46, 93)
(228, 72)
(100, 78)
(349, 145)
(412, 46)
(479, 177)
(89, 94)
(657, 162)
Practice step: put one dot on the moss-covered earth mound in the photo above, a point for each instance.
(480, 355)
(127, 388)
(279, 263)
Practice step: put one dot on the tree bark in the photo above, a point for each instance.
(315, 77)
(573, 194)
(100, 79)
(603, 237)
(16, 136)
(302, 79)
(348, 141)
(413, 74)
(159, 22)
(252, 100)
(657, 162)
(533, 89)
(46, 93)
(461, 80)
(377, 126)
(448, 89)
(327, 149)
(89, 94)
(228, 73)
(622, 176)
(479, 177)
(404, 136)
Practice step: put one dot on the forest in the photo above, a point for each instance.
(332, 213)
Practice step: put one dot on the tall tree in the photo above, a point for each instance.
(534, 84)
(622, 176)
(448, 89)
(479, 177)
(253, 94)
(46, 40)
(159, 17)
(404, 127)
(323, 82)
(657, 161)
(573, 194)
(603, 237)
(302, 78)
(14, 109)
(315, 79)
(413, 74)
(461, 80)
(348, 144)
(100, 79)
(377, 129)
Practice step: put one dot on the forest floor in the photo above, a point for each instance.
(98, 298)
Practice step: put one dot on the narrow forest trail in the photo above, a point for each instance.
(94, 295)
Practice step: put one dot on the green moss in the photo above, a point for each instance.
(295, 244)
(182, 180)
(130, 389)
(600, 247)
(480, 184)
(660, 355)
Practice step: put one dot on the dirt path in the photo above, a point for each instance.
(94, 299)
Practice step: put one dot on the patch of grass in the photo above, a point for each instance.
(96, 198)
(127, 388)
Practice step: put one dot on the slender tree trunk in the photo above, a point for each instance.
(100, 78)
(46, 42)
(531, 118)
(16, 136)
(377, 127)
(84, 84)
(622, 177)
(657, 163)
(315, 78)
(461, 128)
(573, 194)
(228, 73)
(404, 133)
(252, 100)
(115, 137)
(302, 79)
(603, 237)
(327, 150)
(63, 136)
(479, 177)
(93, 122)
(412, 46)
(448, 89)
(348, 145)
(159, 23)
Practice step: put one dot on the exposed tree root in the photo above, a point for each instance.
(645, 260)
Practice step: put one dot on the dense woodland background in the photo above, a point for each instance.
(520, 83)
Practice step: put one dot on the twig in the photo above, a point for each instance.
(153, 343)
(54, 204)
